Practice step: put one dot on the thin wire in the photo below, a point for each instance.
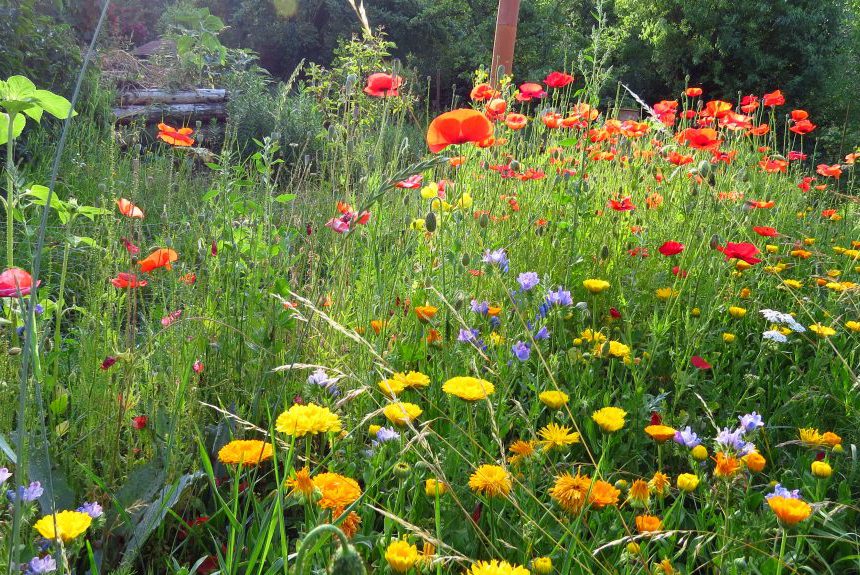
(28, 321)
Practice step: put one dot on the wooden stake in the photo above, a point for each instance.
(506, 37)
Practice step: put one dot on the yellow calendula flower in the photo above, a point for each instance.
(802, 254)
(660, 433)
(392, 386)
(809, 241)
(418, 224)
(821, 469)
(245, 452)
(434, 487)
(777, 269)
(788, 510)
(400, 412)
(496, 567)
(338, 491)
(468, 388)
(665, 293)
(465, 202)
(745, 293)
(822, 330)
(69, 525)
(300, 420)
(491, 481)
(412, 379)
(430, 191)
(726, 466)
(592, 336)
(771, 249)
(301, 483)
(639, 495)
(596, 286)
(729, 337)
(542, 565)
(699, 453)
(754, 461)
(555, 436)
(793, 284)
(496, 339)
(810, 436)
(401, 556)
(737, 312)
(834, 273)
(687, 482)
(695, 312)
(618, 349)
(553, 399)
(610, 419)
(521, 449)
(571, 492)
(648, 523)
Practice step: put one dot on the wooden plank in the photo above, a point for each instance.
(148, 96)
(183, 112)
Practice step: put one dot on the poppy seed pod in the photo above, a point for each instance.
(347, 561)
(716, 241)
(465, 260)
(349, 83)
(430, 221)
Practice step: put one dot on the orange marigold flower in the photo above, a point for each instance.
(726, 466)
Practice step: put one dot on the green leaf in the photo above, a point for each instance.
(17, 128)
(39, 195)
(91, 211)
(285, 198)
(568, 142)
(83, 240)
(59, 405)
(54, 104)
(18, 88)
(210, 195)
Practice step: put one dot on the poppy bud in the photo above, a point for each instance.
(715, 241)
(430, 221)
(108, 362)
(484, 220)
(14, 351)
(347, 561)
(704, 168)
(515, 165)
(604, 252)
(349, 83)
(465, 260)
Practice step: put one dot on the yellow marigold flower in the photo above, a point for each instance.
(729, 337)
(726, 466)
(802, 254)
(834, 273)
(771, 249)
(554, 435)
(338, 491)
(633, 548)
(737, 312)
(428, 551)
(301, 483)
(648, 523)
(413, 379)
(741, 265)
(468, 388)
(596, 286)
(301, 420)
(245, 452)
(350, 523)
(70, 525)
(745, 293)
(665, 293)
(392, 386)
(603, 494)
(400, 412)
(687, 482)
(610, 419)
(496, 567)
(491, 481)
(542, 565)
(553, 399)
(660, 484)
(660, 433)
(434, 487)
(373, 429)
(401, 556)
(822, 330)
(853, 254)
(618, 349)
(521, 449)
(592, 336)
(810, 436)
(777, 269)
(793, 284)
(754, 461)
(699, 453)
(425, 313)
(639, 494)
(821, 469)
(788, 510)
(570, 491)
(836, 286)
(497, 339)
(695, 312)
(430, 191)
(809, 241)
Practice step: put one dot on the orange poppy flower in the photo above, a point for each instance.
(381, 85)
(802, 127)
(457, 161)
(833, 171)
(125, 281)
(483, 92)
(716, 109)
(128, 209)
(160, 258)
(693, 92)
(775, 98)
(551, 120)
(515, 121)
(772, 166)
(699, 138)
(760, 130)
(458, 127)
(180, 138)
(496, 108)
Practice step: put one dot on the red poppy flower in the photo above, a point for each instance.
(126, 281)
(716, 109)
(515, 121)
(828, 213)
(496, 108)
(180, 138)
(760, 204)
(160, 258)
(679, 159)
(529, 91)
(381, 85)
(773, 99)
(671, 248)
(15, 282)
(699, 362)
(614, 313)
(128, 209)
(833, 171)
(798, 115)
(677, 271)
(749, 104)
(458, 127)
(130, 247)
(773, 165)
(806, 183)
(666, 111)
(410, 183)
(699, 138)
(557, 79)
(139, 422)
(765, 231)
(759, 130)
(743, 251)
(625, 205)
(656, 418)
(795, 156)
(802, 127)
(483, 92)
(736, 122)
(693, 92)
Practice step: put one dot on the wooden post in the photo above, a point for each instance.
(506, 37)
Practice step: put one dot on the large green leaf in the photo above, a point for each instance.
(17, 128)
(54, 104)
(18, 88)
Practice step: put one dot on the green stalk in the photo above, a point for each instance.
(10, 190)
(58, 313)
(780, 562)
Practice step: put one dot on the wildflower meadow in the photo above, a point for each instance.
(529, 332)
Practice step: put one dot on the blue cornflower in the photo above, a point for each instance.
(481, 307)
(38, 565)
(497, 258)
(542, 333)
(528, 280)
(687, 437)
(521, 350)
(751, 421)
(559, 297)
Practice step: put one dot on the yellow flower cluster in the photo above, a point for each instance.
(301, 420)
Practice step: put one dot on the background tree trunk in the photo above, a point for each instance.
(506, 37)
